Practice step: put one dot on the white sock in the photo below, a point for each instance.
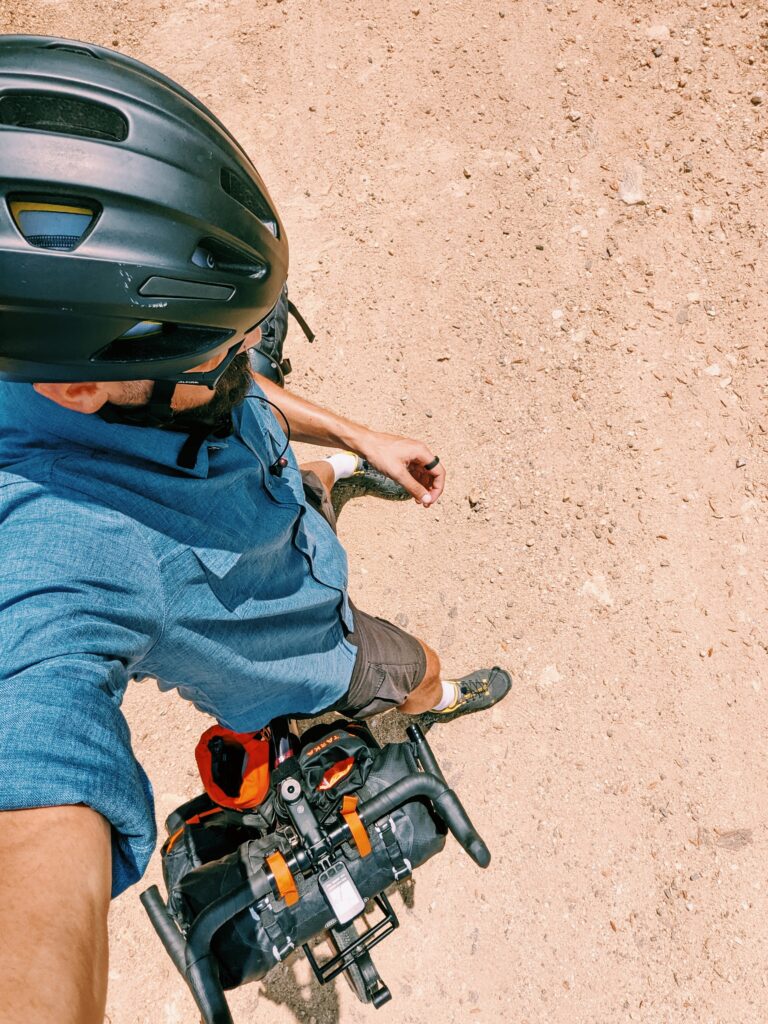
(344, 464)
(450, 695)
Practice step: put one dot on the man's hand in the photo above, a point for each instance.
(403, 459)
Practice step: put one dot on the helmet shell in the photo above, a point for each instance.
(182, 252)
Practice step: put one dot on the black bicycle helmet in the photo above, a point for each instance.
(137, 240)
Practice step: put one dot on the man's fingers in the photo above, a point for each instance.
(438, 481)
(432, 481)
(412, 485)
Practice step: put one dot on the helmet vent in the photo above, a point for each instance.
(245, 193)
(147, 341)
(211, 254)
(47, 225)
(67, 115)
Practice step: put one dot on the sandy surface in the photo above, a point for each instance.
(533, 234)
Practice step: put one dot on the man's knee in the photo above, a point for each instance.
(322, 470)
(433, 669)
(429, 691)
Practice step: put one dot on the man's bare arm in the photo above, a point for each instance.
(401, 458)
(55, 876)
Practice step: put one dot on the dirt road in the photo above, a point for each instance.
(533, 234)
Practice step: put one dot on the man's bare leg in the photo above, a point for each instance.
(430, 689)
(322, 469)
(55, 880)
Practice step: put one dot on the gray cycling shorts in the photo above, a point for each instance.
(390, 663)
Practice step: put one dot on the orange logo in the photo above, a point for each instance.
(322, 745)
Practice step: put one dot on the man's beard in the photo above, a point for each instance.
(229, 393)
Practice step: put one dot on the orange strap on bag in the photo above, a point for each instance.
(355, 824)
(284, 880)
(254, 750)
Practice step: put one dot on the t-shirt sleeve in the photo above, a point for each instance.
(80, 607)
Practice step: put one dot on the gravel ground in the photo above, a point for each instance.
(534, 235)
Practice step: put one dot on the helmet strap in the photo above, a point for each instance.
(156, 413)
(191, 448)
(159, 404)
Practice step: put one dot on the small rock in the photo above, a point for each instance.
(658, 33)
(466, 173)
(574, 115)
(475, 499)
(549, 676)
(735, 839)
(701, 216)
(657, 51)
(530, 542)
(757, 98)
(631, 184)
(741, 462)
(597, 589)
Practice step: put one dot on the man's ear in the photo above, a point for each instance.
(80, 397)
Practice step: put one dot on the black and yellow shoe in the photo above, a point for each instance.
(475, 692)
(366, 482)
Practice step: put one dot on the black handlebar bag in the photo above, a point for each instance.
(218, 848)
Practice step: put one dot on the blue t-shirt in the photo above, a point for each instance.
(115, 564)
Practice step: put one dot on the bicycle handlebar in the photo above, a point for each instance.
(201, 976)
(447, 805)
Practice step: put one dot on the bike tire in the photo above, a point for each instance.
(361, 974)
